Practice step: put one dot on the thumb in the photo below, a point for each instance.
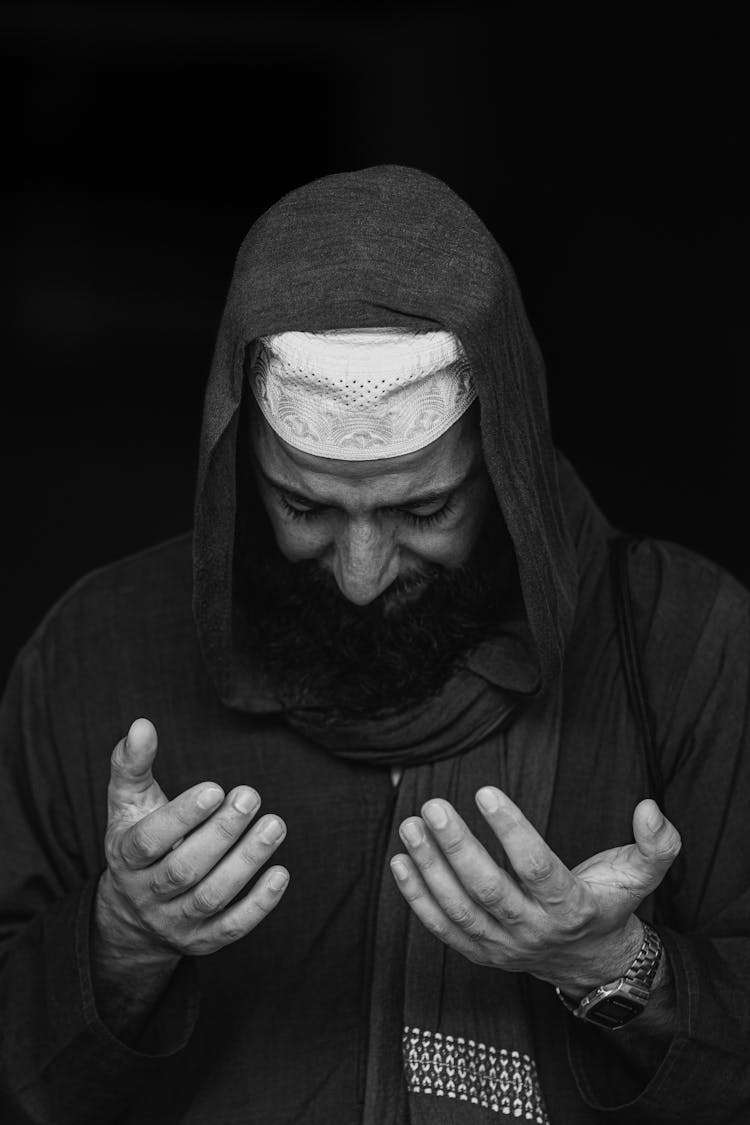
(657, 841)
(131, 780)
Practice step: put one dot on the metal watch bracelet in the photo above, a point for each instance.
(614, 1004)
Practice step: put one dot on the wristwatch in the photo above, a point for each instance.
(613, 1005)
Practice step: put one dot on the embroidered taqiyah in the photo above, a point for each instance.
(361, 394)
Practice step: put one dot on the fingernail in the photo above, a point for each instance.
(487, 800)
(655, 819)
(209, 797)
(278, 880)
(435, 815)
(271, 831)
(399, 869)
(412, 832)
(245, 801)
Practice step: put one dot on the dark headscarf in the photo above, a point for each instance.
(388, 246)
(392, 246)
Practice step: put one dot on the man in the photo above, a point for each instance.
(476, 887)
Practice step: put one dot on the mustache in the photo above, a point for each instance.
(321, 580)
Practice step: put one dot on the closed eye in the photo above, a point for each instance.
(316, 511)
(428, 520)
(310, 513)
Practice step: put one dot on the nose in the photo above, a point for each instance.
(365, 561)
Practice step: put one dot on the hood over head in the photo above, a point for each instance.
(387, 246)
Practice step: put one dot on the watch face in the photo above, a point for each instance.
(613, 1011)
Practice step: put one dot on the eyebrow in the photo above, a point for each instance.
(420, 501)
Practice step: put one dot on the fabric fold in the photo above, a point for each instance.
(432, 1011)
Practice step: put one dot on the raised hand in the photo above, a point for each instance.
(175, 867)
(575, 929)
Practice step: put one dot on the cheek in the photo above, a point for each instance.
(448, 547)
(299, 540)
(452, 546)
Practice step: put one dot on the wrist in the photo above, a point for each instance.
(118, 939)
(608, 960)
(615, 1003)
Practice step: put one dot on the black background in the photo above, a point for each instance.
(609, 160)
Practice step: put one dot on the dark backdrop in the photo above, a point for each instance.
(609, 161)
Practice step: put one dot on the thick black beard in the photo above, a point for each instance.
(320, 650)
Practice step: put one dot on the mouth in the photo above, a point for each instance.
(406, 595)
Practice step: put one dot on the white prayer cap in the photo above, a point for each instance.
(361, 394)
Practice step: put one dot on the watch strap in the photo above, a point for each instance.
(633, 988)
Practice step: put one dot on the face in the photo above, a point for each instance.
(369, 580)
(380, 528)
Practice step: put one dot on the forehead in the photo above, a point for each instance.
(440, 464)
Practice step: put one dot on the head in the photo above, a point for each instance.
(373, 576)
(349, 252)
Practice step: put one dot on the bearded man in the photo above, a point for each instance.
(500, 868)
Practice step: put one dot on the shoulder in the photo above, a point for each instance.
(122, 602)
(692, 623)
(680, 597)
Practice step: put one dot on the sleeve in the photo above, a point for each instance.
(59, 1063)
(701, 707)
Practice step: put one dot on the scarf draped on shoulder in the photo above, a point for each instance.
(392, 246)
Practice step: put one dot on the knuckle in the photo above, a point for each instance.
(174, 876)
(672, 843)
(510, 915)
(428, 860)
(187, 911)
(466, 918)
(489, 895)
(117, 758)
(224, 828)
(539, 868)
(249, 853)
(536, 939)
(573, 925)
(453, 844)
(112, 848)
(231, 932)
(501, 908)
(139, 845)
(185, 815)
(205, 900)
(412, 892)
(461, 913)
(437, 927)
(263, 904)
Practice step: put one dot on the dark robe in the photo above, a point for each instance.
(282, 1026)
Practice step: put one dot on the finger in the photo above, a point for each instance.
(243, 916)
(229, 877)
(210, 892)
(442, 882)
(429, 912)
(540, 871)
(131, 780)
(144, 842)
(658, 842)
(476, 870)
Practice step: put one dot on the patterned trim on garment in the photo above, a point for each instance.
(453, 1067)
